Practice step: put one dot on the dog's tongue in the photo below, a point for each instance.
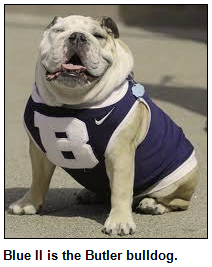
(66, 68)
(72, 67)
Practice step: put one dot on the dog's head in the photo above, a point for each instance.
(74, 50)
(77, 53)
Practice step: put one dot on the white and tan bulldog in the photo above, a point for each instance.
(88, 116)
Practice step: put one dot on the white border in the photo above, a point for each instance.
(188, 252)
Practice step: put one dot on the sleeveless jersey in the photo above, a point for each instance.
(76, 140)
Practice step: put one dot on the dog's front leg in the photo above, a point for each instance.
(120, 161)
(120, 170)
(42, 171)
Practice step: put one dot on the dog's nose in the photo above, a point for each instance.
(76, 37)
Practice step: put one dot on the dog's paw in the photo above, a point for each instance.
(23, 206)
(119, 224)
(17, 209)
(150, 206)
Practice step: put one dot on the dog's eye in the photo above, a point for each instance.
(98, 36)
(58, 30)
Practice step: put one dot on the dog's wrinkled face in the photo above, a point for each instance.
(82, 62)
(75, 51)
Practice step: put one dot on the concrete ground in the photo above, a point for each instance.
(172, 64)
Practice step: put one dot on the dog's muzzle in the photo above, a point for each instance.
(73, 67)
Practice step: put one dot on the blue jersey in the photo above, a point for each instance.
(76, 140)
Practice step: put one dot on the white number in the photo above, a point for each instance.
(76, 141)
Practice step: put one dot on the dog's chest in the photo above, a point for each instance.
(73, 138)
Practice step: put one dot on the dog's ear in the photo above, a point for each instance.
(54, 21)
(110, 25)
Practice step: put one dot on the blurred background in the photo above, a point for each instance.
(169, 44)
(142, 15)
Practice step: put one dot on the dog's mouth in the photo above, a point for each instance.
(72, 69)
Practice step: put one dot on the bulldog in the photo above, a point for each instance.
(87, 115)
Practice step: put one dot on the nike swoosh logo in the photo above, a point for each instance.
(99, 122)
